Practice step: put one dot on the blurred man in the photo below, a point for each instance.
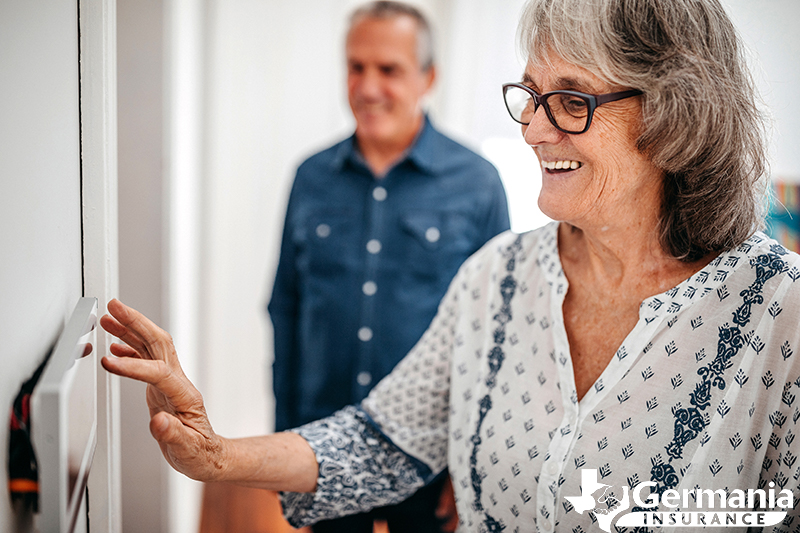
(376, 227)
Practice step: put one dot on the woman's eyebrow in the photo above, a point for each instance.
(527, 80)
(561, 83)
(573, 84)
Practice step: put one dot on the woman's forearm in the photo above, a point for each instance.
(282, 462)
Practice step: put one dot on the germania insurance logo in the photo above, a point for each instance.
(688, 508)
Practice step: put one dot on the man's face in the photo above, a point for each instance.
(385, 84)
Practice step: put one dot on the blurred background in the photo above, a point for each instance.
(220, 100)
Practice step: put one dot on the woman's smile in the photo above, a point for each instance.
(560, 166)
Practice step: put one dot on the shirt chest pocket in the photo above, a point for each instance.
(326, 241)
(437, 241)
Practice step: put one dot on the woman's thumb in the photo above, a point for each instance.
(162, 427)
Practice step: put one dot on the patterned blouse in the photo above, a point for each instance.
(698, 406)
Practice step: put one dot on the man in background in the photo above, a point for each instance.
(376, 227)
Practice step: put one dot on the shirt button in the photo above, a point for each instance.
(552, 469)
(379, 193)
(365, 334)
(323, 230)
(547, 525)
(369, 288)
(374, 246)
(432, 234)
(364, 378)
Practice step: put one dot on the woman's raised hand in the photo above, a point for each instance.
(178, 419)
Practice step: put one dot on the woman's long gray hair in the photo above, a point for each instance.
(701, 122)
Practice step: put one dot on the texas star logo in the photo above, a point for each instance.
(587, 501)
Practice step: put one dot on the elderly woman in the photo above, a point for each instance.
(636, 356)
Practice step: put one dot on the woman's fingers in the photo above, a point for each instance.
(123, 350)
(134, 320)
(139, 369)
(177, 389)
(139, 326)
(155, 373)
(111, 325)
(138, 331)
(178, 419)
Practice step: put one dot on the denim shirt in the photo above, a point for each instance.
(364, 262)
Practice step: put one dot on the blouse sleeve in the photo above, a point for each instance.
(395, 442)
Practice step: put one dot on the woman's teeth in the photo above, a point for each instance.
(561, 165)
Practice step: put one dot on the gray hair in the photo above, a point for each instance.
(701, 122)
(385, 9)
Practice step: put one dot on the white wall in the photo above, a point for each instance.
(40, 204)
(274, 93)
(770, 29)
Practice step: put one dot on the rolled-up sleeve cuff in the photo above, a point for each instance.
(359, 469)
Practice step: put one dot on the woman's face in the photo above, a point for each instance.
(612, 179)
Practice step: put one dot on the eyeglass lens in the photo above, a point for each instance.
(568, 112)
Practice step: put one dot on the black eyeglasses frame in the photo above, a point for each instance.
(593, 100)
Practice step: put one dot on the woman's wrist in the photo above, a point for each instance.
(281, 462)
(220, 455)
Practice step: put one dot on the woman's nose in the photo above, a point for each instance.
(540, 130)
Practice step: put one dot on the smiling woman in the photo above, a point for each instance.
(595, 177)
(699, 125)
(652, 317)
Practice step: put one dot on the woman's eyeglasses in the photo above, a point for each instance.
(569, 111)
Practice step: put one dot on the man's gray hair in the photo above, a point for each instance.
(701, 118)
(385, 9)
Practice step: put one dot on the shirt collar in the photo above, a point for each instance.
(421, 152)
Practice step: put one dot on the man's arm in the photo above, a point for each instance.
(178, 419)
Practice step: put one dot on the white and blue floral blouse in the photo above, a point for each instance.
(704, 393)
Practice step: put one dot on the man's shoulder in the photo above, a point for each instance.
(454, 148)
(445, 155)
(327, 157)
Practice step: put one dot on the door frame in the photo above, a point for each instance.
(98, 110)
